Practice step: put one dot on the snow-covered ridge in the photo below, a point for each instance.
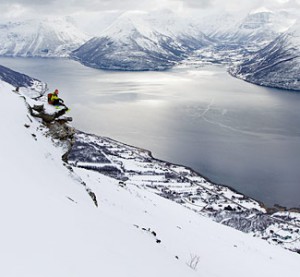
(48, 216)
(44, 37)
(138, 41)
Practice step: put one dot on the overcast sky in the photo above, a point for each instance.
(18, 8)
(105, 11)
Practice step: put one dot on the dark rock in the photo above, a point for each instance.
(60, 131)
(39, 108)
(39, 111)
(93, 196)
(228, 208)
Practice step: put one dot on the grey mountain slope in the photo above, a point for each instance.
(15, 78)
(106, 53)
(277, 65)
(140, 43)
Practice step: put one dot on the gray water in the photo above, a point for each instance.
(230, 131)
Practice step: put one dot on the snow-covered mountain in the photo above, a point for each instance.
(160, 40)
(239, 36)
(52, 227)
(276, 65)
(142, 41)
(259, 28)
(45, 37)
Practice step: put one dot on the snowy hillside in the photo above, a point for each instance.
(276, 65)
(142, 41)
(52, 227)
(45, 37)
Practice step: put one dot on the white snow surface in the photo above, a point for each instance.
(257, 26)
(150, 24)
(40, 37)
(51, 227)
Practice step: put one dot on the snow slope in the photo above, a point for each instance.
(51, 227)
(44, 37)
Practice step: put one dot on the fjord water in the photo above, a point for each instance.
(233, 132)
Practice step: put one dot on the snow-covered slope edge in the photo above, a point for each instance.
(51, 227)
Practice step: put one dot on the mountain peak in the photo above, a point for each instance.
(261, 10)
(42, 37)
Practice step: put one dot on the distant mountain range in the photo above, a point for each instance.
(48, 37)
(261, 47)
(236, 38)
(253, 32)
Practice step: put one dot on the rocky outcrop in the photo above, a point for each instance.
(57, 127)
(56, 123)
(40, 112)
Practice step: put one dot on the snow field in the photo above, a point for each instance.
(51, 227)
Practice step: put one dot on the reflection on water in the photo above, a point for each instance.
(233, 132)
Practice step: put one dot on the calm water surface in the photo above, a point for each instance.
(233, 132)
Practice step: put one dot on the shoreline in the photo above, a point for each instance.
(270, 210)
(137, 167)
